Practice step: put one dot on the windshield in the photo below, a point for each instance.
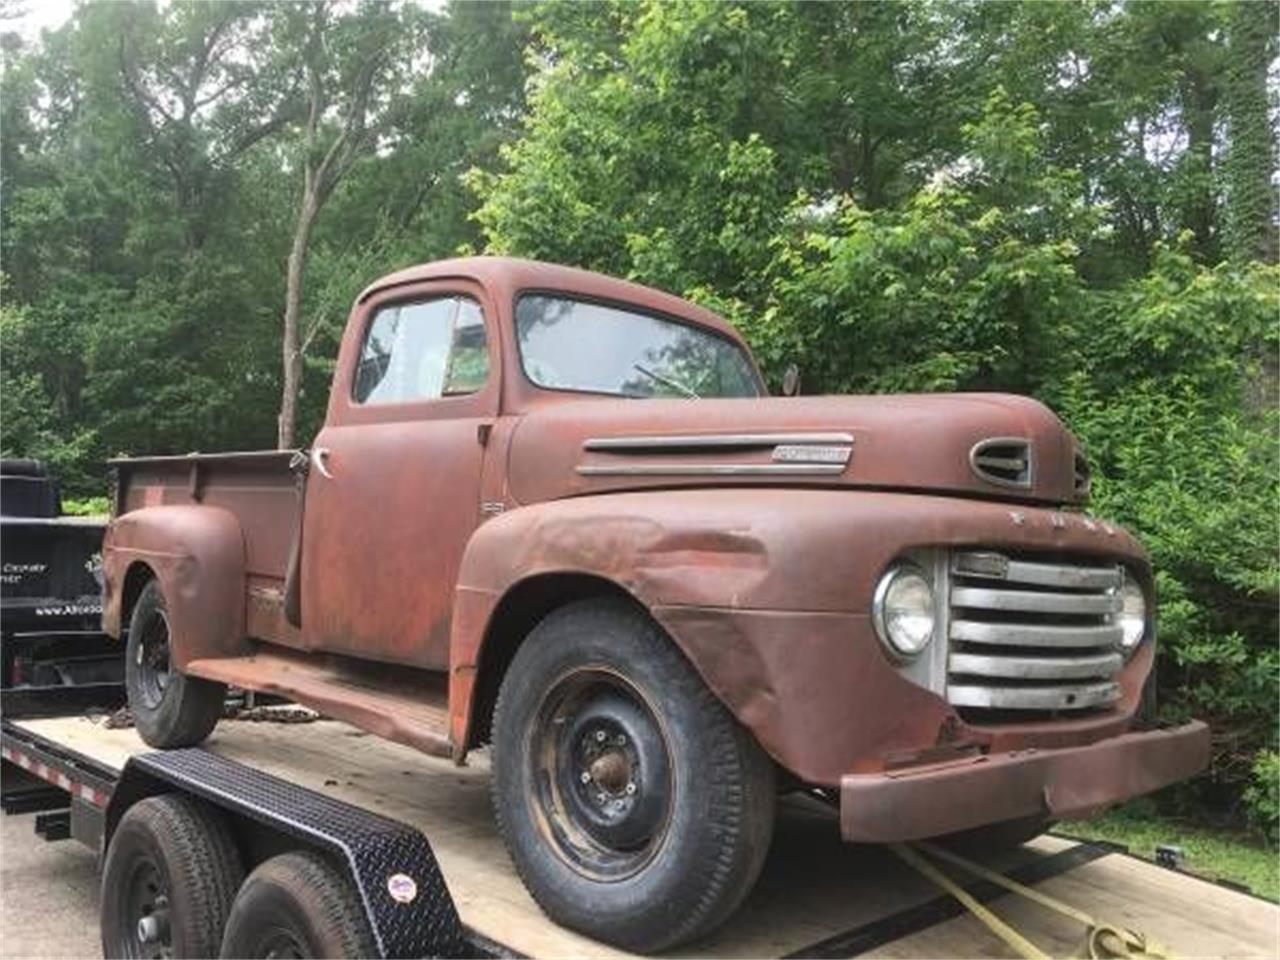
(574, 345)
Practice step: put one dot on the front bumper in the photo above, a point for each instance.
(913, 803)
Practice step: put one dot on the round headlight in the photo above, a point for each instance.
(1132, 617)
(903, 610)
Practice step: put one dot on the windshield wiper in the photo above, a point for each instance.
(674, 384)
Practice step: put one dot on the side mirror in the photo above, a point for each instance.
(791, 381)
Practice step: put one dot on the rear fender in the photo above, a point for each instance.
(197, 554)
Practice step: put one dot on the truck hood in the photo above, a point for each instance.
(989, 445)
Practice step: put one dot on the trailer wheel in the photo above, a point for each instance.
(169, 709)
(170, 875)
(634, 806)
(297, 905)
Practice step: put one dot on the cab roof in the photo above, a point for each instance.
(507, 277)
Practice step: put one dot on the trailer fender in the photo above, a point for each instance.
(197, 553)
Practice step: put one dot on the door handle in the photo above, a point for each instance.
(318, 455)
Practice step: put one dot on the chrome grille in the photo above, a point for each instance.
(1030, 635)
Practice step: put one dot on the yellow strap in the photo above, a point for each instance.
(1000, 879)
(1102, 941)
(1016, 941)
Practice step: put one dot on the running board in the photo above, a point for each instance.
(405, 704)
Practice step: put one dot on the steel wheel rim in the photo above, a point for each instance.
(146, 931)
(152, 659)
(281, 944)
(602, 773)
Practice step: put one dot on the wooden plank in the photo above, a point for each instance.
(813, 886)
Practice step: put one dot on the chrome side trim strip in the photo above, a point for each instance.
(1034, 602)
(1079, 697)
(1037, 668)
(1036, 635)
(718, 441)
(711, 469)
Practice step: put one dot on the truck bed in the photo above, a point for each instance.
(259, 487)
(816, 897)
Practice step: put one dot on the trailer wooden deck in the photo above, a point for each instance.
(817, 896)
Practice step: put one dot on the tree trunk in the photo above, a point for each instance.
(292, 352)
(1250, 207)
(1199, 101)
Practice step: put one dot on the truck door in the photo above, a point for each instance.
(393, 489)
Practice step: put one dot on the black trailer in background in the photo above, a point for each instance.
(54, 657)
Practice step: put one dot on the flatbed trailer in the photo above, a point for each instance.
(817, 897)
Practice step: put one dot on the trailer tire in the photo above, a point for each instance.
(169, 709)
(297, 905)
(635, 807)
(169, 878)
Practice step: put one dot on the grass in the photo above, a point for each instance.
(1217, 854)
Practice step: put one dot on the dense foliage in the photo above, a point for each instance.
(1072, 200)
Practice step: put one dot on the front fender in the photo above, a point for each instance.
(767, 592)
(197, 554)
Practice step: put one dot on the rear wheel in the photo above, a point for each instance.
(635, 807)
(297, 905)
(169, 877)
(169, 709)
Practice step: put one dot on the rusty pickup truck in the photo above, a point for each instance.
(556, 514)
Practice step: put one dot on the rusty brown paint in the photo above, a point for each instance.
(436, 511)
(197, 554)
(1053, 784)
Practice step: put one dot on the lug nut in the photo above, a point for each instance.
(631, 788)
(622, 740)
(600, 736)
(617, 804)
(600, 798)
(584, 777)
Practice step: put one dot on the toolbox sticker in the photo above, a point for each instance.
(402, 887)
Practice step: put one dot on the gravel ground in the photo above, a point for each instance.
(48, 894)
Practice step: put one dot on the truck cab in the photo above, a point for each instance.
(557, 514)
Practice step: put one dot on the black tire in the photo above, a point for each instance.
(297, 905)
(169, 878)
(598, 694)
(997, 836)
(169, 709)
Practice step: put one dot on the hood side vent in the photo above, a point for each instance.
(1083, 479)
(1004, 461)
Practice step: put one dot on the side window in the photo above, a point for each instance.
(423, 351)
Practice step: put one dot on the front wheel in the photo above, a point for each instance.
(635, 807)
